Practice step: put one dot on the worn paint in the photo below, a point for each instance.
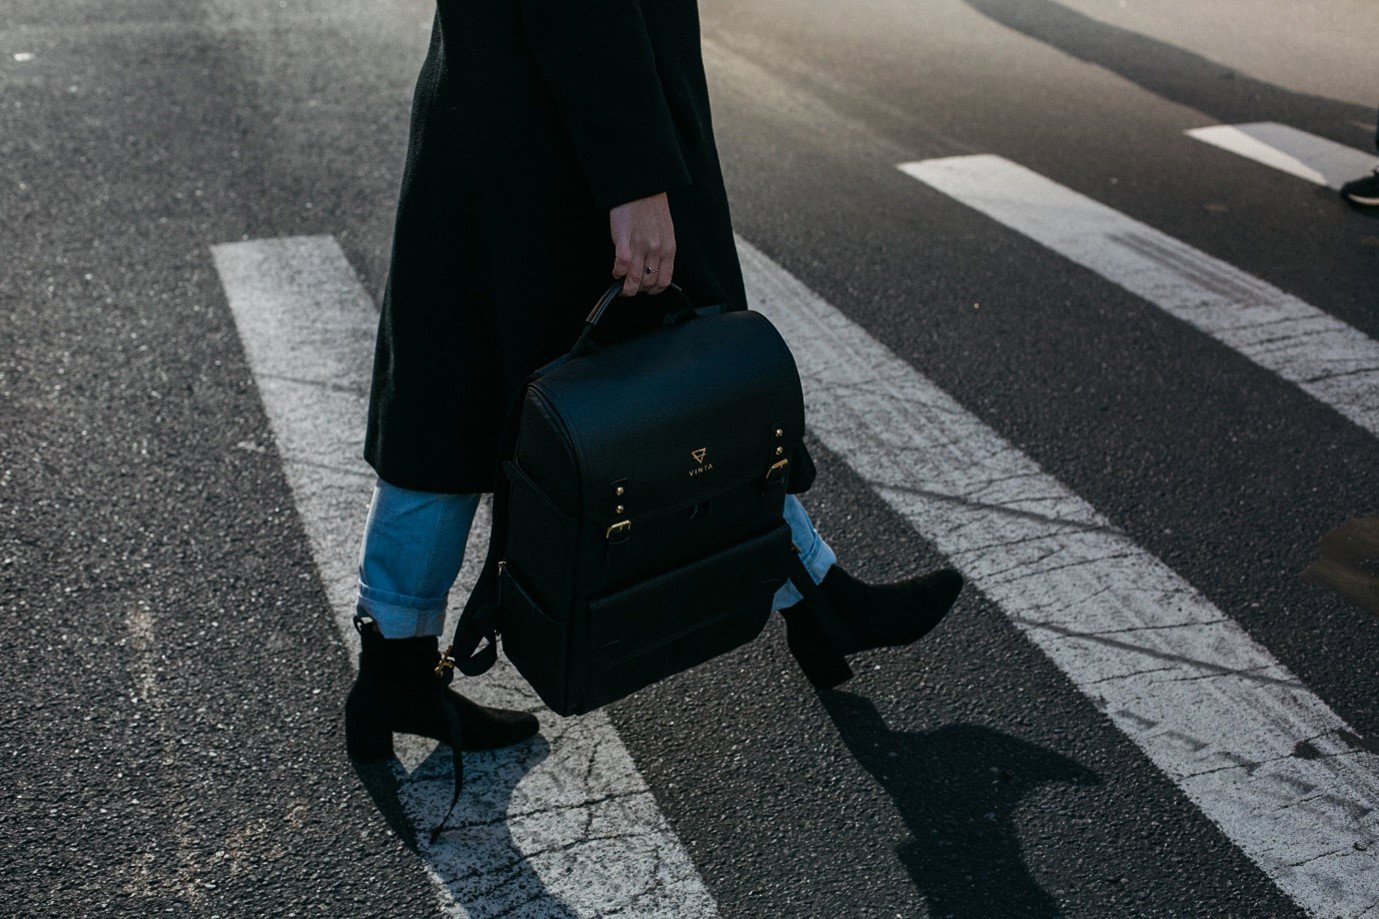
(1206, 703)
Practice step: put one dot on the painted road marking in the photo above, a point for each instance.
(1307, 156)
(1329, 360)
(568, 828)
(1207, 704)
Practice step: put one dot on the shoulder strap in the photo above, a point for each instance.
(816, 600)
(820, 631)
(474, 646)
(478, 622)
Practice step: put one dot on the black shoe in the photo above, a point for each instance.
(867, 616)
(1364, 192)
(397, 692)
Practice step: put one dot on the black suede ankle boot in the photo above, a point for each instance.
(865, 616)
(397, 691)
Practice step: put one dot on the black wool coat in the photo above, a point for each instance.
(531, 119)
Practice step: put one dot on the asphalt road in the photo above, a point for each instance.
(170, 655)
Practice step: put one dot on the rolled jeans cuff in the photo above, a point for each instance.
(400, 616)
(816, 554)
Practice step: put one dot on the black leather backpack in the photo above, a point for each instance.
(637, 526)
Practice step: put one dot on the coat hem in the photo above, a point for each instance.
(472, 483)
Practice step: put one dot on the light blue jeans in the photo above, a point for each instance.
(414, 543)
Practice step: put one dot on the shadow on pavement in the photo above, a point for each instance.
(957, 788)
(1179, 75)
(383, 781)
(480, 863)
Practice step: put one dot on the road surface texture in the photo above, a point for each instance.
(1077, 310)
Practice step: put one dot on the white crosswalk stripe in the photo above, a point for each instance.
(1307, 156)
(574, 826)
(1205, 702)
(1333, 362)
(563, 828)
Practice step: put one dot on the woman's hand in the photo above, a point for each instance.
(643, 238)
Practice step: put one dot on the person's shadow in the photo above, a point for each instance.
(957, 788)
(483, 868)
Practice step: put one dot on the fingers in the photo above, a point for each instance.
(661, 279)
(636, 277)
(629, 260)
(659, 257)
(622, 260)
(643, 237)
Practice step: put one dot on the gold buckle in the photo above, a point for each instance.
(777, 467)
(447, 663)
(619, 529)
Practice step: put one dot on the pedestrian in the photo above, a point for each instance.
(1364, 191)
(548, 140)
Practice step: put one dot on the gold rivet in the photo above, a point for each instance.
(619, 490)
(618, 509)
(779, 451)
(780, 432)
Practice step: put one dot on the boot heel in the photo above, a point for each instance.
(823, 665)
(368, 738)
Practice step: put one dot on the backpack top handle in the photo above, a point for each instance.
(683, 311)
(611, 294)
